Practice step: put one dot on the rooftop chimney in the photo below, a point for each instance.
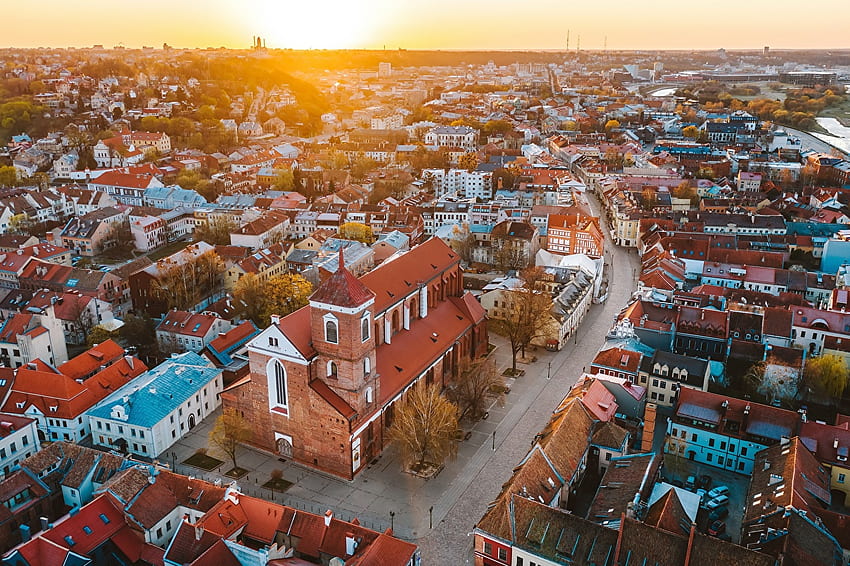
(328, 516)
(275, 319)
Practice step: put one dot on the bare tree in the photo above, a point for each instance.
(508, 254)
(82, 320)
(425, 428)
(527, 312)
(478, 383)
(184, 285)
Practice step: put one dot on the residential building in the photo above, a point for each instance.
(568, 234)
(665, 373)
(18, 441)
(90, 234)
(462, 137)
(58, 403)
(270, 228)
(150, 414)
(182, 331)
(725, 432)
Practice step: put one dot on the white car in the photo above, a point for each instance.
(718, 491)
(717, 502)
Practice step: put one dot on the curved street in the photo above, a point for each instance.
(529, 407)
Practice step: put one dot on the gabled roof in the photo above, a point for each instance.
(91, 360)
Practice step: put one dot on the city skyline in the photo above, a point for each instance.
(375, 24)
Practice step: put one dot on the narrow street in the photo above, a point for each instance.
(450, 541)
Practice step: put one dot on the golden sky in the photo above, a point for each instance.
(428, 24)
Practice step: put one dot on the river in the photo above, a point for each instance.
(840, 133)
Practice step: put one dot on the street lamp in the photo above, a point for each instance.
(549, 371)
(431, 517)
(494, 441)
(392, 520)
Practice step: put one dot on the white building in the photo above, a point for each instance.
(453, 136)
(148, 415)
(18, 440)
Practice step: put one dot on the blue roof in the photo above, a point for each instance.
(155, 394)
(481, 228)
(395, 238)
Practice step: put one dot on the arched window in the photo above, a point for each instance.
(332, 370)
(331, 331)
(368, 395)
(367, 365)
(364, 327)
(278, 395)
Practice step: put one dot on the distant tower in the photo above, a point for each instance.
(578, 44)
(568, 40)
(766, 50)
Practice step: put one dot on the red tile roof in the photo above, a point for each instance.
(342, 289)
(599, 401)
(397, 278)
(233, 336)
(47, 389)
(102, 354)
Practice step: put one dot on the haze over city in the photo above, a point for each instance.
(410, 282)
(434, 24)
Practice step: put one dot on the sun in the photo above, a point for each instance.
(314, 24)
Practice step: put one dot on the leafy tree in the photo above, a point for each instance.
(828, 374)
(356, 231)
(99, 334)
(362, 165)
(527, 312)
(691, 132)
(611, 125)
(139, 332)
(192, 179)
(230, 430)
(8, 176)
(278, 295)
(425, 427)
(284, 180)
(478, 383)
(216, 230)
(468, 161)
(495, 127)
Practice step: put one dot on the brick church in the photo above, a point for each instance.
(323, 380)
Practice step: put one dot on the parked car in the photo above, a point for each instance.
(702, 495)
(716, 528)
(721, 501)
(719, 513)
(705, 481)
(718, 491)
(691, 483)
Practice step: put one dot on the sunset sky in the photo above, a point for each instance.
(427, 24)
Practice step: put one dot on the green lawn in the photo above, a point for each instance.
(167, 250)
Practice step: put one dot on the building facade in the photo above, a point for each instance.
(323, 380)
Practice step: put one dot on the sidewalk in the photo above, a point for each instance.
(382, 488)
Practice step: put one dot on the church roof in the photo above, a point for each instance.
(342, 289)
